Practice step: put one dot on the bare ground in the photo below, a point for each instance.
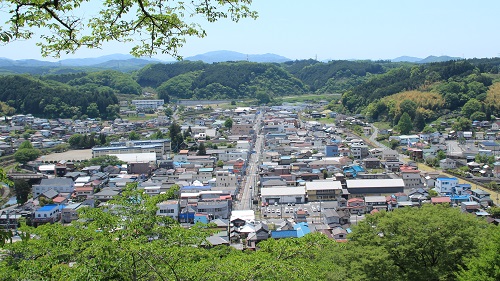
(70, 155)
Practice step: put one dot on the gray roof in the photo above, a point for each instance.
(57, 182)
(51, 193)
(107, 192)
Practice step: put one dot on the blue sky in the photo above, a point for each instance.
(331, 29)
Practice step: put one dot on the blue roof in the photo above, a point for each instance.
(358, 168)
(284, 234)
(205, 169)
(490, 143)
(49, 207)
(444, 178)
(302, 229)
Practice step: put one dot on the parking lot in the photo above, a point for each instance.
(288, 210)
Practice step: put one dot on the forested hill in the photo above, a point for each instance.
(466, 89)
(366, 86)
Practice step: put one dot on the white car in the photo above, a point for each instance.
(286, 209)
(278, 211)
(314, 209)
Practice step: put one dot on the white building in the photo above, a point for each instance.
(168, 208)
(147, 104)
(445, 186)
(226, 179)
(283, 194)
(412, 178)
(61, 185)
(48, 213)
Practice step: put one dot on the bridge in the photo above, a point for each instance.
(26, 176)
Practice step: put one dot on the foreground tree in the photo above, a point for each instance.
(430, 243)
(486, 266)
(156, 26)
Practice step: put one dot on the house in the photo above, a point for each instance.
(470, 207)
(334, 218)
(448, 164)
(481, 196)
(261, 233)
(332, 150)
(105, 194)
(371, 163)
(220, 209)
(339, 234)
(441, 200)
(390, 155)
(70, 212)
(411, 177)
(359, 151)
(356, 205)
(375, 202)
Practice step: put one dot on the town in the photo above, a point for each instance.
(257, 172)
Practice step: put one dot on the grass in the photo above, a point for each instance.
(311, 97)
(382, 125)
(139, 118)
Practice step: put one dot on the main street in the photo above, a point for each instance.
(249, 181)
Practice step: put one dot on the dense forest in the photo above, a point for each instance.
(380, 89)
(125, 240)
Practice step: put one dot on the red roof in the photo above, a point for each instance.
(58, 199)
(437, 200)
(355, 200)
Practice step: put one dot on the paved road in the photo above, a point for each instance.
(249, 182)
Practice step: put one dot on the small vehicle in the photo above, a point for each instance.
(286, 210)
(275, 203)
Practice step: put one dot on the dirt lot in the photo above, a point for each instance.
(71, 155)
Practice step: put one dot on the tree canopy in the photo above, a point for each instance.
(155, 26)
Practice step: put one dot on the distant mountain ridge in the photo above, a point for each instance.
(428, 59)
(223, 55)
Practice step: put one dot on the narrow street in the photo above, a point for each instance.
(249, 182)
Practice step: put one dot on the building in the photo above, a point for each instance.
(70, 213)
(242, 129)
(445, 186)
(374, 186)
(160, 147)
(168, 208)
(218, 209)
(60, 185)
(481, 196)
(332, 150)
(411, 177)
(323, 190)
(147, 104)
(359, 151)
(47, 214)
(283, 195)
(226, 179)
(375, 203)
